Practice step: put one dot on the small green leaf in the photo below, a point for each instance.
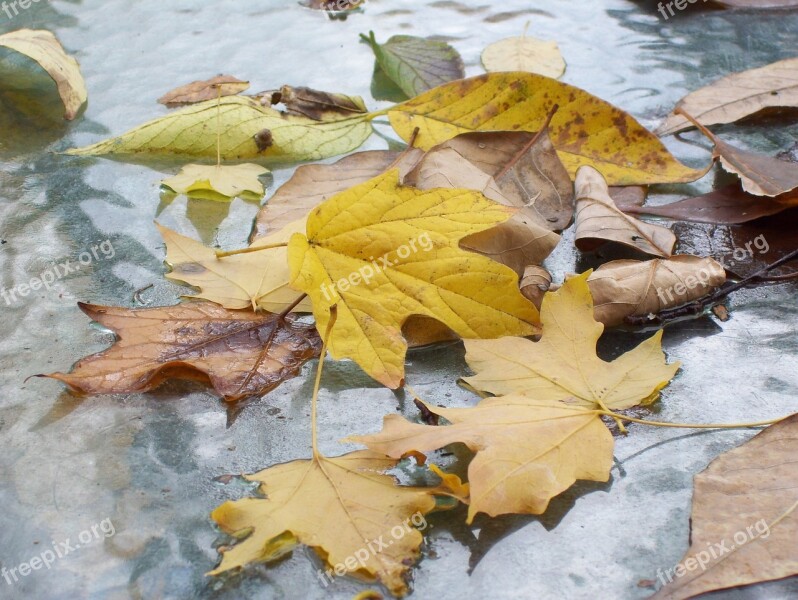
(416, 64)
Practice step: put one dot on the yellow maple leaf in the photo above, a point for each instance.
(253, 280)
(527, 451)
(219, 182)
(563, 365)
(546, 432)
(382, 252)
(585, 131)
(351, 513)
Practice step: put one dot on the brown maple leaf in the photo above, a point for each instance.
(241, 354)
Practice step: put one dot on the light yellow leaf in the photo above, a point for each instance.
(382, 252)
(346, 509)
(219, 181)
(563, 365)
(526, 54)
(545, 431)
(43, 47)
(246, 130)
(254, 280)
(585, 130)
(527, 451)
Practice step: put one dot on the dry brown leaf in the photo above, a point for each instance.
(199, 91)
(598, 220)
(527, 171)
(317, 105)
(241, 354)
(744, 521)
(760, 175)
(727, 206)
(739, 95)
(623, 288)
(356, 518)
(535, 283)
(311, 185)
(517, 242)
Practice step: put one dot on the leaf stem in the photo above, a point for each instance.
(292, 306)
(314, 403)
(617, 416)
(223, 254)
(531, 143)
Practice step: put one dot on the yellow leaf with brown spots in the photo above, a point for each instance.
(585, 131)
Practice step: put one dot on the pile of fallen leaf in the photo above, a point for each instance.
(497, 167)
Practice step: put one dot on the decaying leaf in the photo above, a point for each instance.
(623, 288)
(527, 451)
(43, 47)
(316, 105)
(241, 354)
(737, 96)
(727, 206)
(563, 366)
(310, 185)
(760, 175)
(200, 91)
(356, 518)
(535, 441)
(526, 54)
(535, 283)
(219, 182)
(416, 64)
(244, 130)
(585, 130)
(382, 252)
(257, 280)
(744, 521)
(598, 220)
(517, 242)
(526, 169)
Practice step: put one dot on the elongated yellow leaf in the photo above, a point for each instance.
(352, 514)
(245, 130)
(563, 365)
(585, 130)
(382, 252)
(254, 280)
(43, 47)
